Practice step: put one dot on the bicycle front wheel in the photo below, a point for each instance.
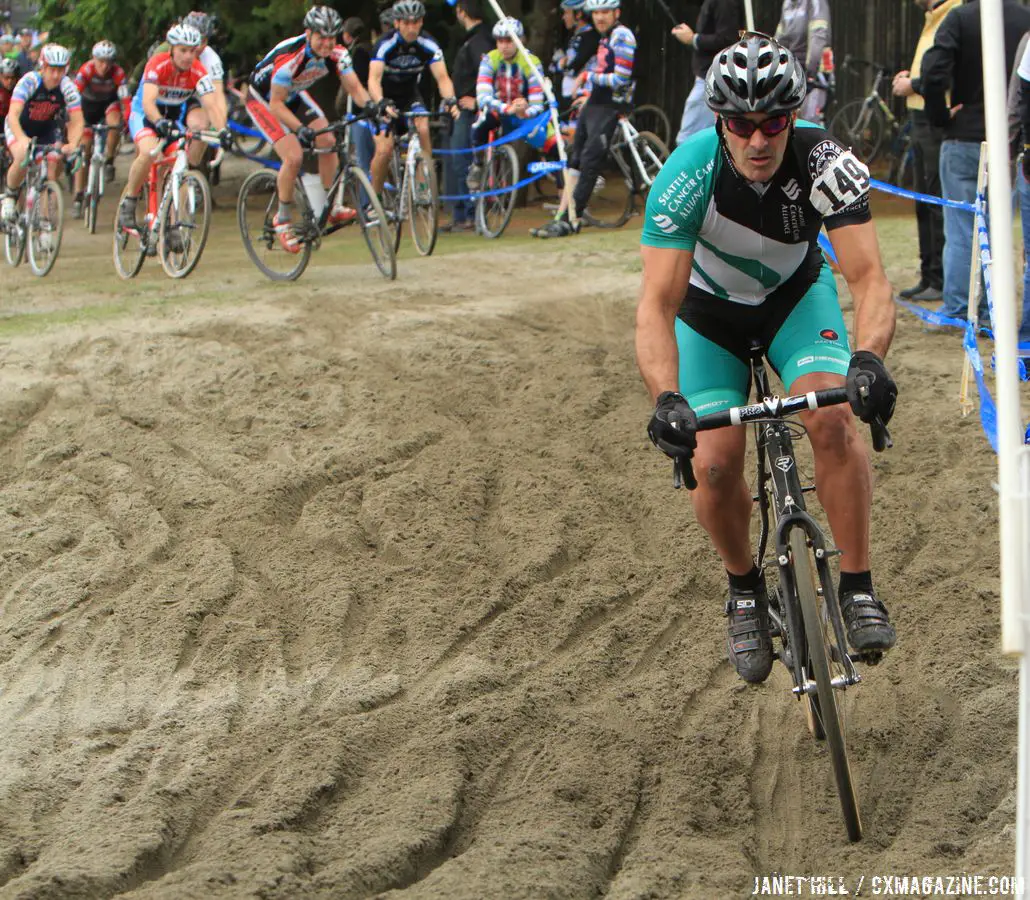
(494, 213)
(372, 219)
(391, 198)
(255, 208)
(653, 119)
(423, 205)
(46, 226)
(183, 224)
(826, 709)
(652, 153)
(860, 127)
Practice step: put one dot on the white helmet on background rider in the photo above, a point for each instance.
(54, 55)
(507, 27)
(592, 5)
(104, 50)
(184, 36)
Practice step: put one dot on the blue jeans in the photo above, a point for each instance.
(1024, 206)
(696, 114)
(364, 149)
(457, 167)
(959, 162)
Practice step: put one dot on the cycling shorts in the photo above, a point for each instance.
(302, 106)
(714, 371)
(95, 111)
(51, 132)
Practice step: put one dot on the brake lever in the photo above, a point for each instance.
(683, 474)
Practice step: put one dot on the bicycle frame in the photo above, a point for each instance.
(169, 154)
(95, 175)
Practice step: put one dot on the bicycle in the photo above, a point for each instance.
(653, 119)
(863, 124)
(259, 200)
(406, 197)
(500, 172)
(804, 611)
(176, 224)
(633, 162)
(39, 223)
(95, 178)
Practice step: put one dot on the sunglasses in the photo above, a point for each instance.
(744, 128)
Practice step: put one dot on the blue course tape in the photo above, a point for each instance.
(243, 129)
(506, 190)
(526, 128)
(922, 198)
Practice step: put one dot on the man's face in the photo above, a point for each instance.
(409, 29)
(183, 57)
(101, 66)
(321, 44)
(52, 76)
(346, 39)
(568, 18)
(758, 156)
(26, 41)
(8, 82)
(605, 19)
(507, 47)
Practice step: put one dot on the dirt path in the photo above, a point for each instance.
(351, 588)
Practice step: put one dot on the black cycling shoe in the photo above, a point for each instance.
(865, 617)
(748, 640)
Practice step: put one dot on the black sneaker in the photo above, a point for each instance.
(866, 620)
(928, 294)
(909, 293)
(748, 640)
(557, 228)
(127, 216)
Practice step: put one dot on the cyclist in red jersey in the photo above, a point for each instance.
(105, 98)
(8, 79)
(169, 80)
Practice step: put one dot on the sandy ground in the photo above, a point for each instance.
(349, 589)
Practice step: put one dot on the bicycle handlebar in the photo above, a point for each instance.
(854, 62)
(211, 138)
(774, 408)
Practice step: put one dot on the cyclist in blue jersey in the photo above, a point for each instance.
(730, 255)
(398, 62)
(285, 113)
(609, 80)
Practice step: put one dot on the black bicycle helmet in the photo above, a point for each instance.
(324, 20)
(756, 74)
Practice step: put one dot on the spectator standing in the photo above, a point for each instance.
(926, 146)
(718, 25)
(582, 48)
(25, 61)
(955, 63)
(353, 38)
(478, 42)
(804, 28)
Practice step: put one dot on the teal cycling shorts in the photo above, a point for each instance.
(812, 338)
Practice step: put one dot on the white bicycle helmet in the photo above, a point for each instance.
(201, 21)
(104, 50)
(9, 66)
(409, 9)
(507, 27)
(324, 20)
(54, 55)
(756, 74)
(592, 5)
(184, 36)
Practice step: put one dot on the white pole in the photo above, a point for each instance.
(546, 82)
(749, 15)
(1010, 429)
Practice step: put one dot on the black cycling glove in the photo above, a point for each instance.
(225, 139)
(673, 427)
(867, 370)
(306, 136)
(164, 127)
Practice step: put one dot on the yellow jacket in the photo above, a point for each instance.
(934, 17)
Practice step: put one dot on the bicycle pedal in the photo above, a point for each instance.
(869, 657)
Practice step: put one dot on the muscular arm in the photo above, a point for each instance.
(215, 109)
(150, 95)
(277, 103)
(666, 277)
(375, 80)
(14, 119)
(76, 125)
(858, 255)
(439, 70)
(352, 85)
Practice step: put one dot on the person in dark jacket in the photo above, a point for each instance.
(478, 41)
(718, 26)
(353, 38)
(582, 47)
(953, 89)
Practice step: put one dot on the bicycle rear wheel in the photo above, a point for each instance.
(611, 203)
(46, 227)
(14, 235)
(391, 200)
(423, 205)
(653, 119)
(256, 206)
(372, 219)
(494, 213)
(183, 225)
(860, 127)
(826, 708)
(130, 247)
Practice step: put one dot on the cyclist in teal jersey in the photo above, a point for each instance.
(730, 256)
